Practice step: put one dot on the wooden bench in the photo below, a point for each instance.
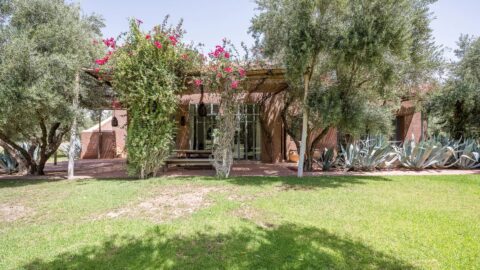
(188, 162)
(192, 153)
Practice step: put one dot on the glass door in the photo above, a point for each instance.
(247, 134)
(201, 128)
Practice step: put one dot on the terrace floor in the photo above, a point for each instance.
(116, 168)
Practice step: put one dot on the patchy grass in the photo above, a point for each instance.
(429, 222)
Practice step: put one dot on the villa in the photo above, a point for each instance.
(261, 134)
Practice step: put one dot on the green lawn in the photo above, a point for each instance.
(242, 223)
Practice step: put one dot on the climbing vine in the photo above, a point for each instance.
(148, 71)
(224, 76)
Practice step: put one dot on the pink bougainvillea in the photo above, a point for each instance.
(242, 72)
(148, 37)
(222, 75)
(173, 40)
(158, 44)
(102, 61)
(234, 84)
(219, 51)
(109, 42)
(198, 82)
(222, 71)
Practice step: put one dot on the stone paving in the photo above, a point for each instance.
(116, 168)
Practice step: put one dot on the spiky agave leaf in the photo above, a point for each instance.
(468, 157)
(328, 159)
(424, 154)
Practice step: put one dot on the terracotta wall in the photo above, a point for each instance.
(409, 123)
(273, 136)
(410, 126)
(90, 145)
(276, 145)
(329, 141)
(115, 137)
(120, 132)
(183, 132)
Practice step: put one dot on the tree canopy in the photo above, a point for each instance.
(43, 45)
(456, 107)
(148, 70)
(352, 61)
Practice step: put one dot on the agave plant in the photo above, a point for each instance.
(368, 155)
(425, 154)
(327, 159)
(447, 160)
(64, 148)
(8, 164)
(468, 155)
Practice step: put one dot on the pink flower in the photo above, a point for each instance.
(219, 75)
(109, 42)
(218, 51)
(148, 37)
(97, 70)
(242, 72)
(228, 69)
(102, 61)
(173, 39)
(227, 55)
(158, 44)
(234, 84)
(198, 82)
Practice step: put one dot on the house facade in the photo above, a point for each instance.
(260, 133)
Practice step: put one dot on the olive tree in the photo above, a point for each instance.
(457, 105)
(348, 62)
(43, 46)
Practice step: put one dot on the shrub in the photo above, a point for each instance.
(149, 70)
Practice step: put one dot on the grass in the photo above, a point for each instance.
(428, 222)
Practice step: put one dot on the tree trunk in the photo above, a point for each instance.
(73, 132)
(459, 121)
(303, 143)
(40, 168)
(308, 161)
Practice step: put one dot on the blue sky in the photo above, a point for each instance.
(209, 21)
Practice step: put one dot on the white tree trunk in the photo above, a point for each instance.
(303, 142)
(73, 133)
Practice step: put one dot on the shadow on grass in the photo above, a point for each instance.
(287, 183)
(294, 183)
(288, 246)
(12, 183)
